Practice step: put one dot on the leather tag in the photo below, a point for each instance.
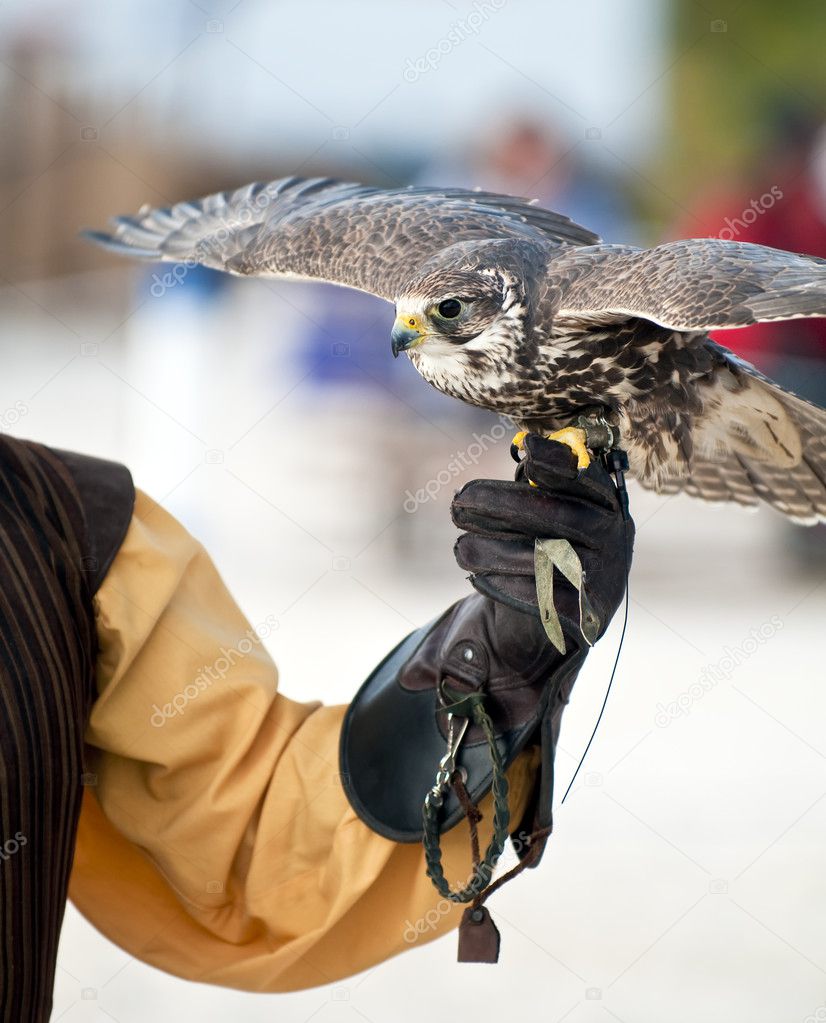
(478, 937)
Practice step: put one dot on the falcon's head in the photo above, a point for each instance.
(447, 311)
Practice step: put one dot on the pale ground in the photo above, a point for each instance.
(685, 879)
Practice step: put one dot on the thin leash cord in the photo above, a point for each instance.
(617, 466)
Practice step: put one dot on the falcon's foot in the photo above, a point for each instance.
(576, 439)
(572, 436)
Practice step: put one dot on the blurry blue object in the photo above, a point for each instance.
(346, 344)
(348, 340)
(184, 280)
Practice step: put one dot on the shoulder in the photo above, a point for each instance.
(106, 495)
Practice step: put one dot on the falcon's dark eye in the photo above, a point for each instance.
(450, 308)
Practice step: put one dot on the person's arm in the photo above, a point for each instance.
(217, 842)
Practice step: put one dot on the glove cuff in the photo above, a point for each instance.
(394, 731)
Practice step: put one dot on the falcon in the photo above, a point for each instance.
(516, 309)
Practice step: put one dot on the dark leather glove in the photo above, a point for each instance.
(491, 643)
(503, 521)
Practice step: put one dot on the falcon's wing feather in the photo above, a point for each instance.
(699, 284)
(361, 237)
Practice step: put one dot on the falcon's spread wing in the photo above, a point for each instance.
(751, 439)
(319, 229)
(699, 284)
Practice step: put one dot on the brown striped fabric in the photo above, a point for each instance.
(47, 655)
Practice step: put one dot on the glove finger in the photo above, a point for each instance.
(519, 592)
(499, 508)
(556, 459)
(542, 466)
(516, 591)
(480, 553)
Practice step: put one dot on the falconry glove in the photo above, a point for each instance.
(510, 526)
(487, 659)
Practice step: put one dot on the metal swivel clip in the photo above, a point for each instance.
(447, 765)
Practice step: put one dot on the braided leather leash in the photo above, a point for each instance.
(469, 707)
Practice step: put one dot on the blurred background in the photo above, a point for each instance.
(685, 879)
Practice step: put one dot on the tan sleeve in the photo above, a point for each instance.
(216, 841)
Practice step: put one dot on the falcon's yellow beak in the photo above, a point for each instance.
(407, 332)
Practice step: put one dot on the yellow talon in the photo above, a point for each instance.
(517, 445)
(574, 437)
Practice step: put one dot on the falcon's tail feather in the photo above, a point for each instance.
(759, 442)
(799, 490)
